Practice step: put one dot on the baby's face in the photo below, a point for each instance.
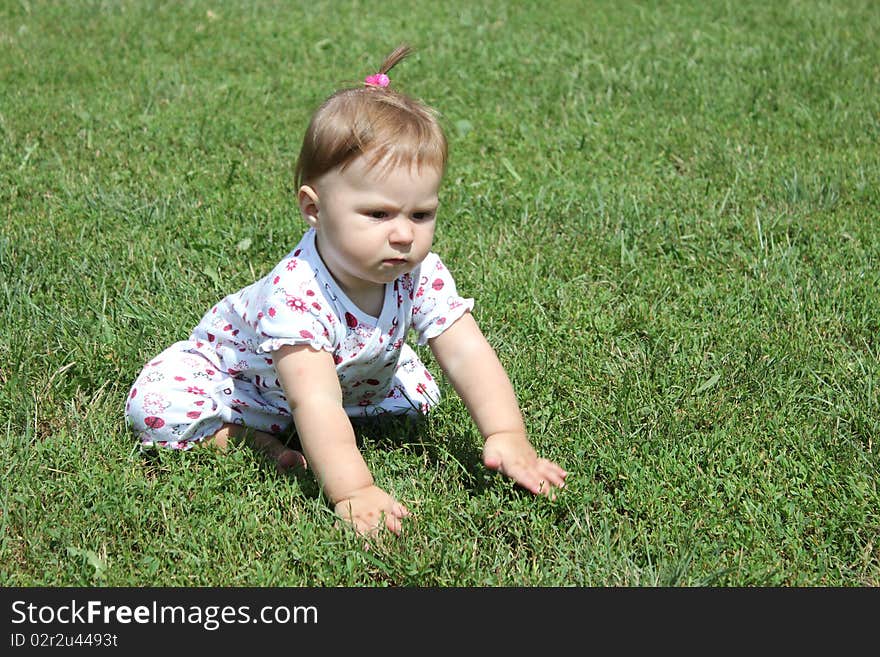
(375, 224)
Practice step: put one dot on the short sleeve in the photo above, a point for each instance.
(293, 312)
(436, 302)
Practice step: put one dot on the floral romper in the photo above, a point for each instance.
(224, 373)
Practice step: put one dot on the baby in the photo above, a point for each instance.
(322, 338)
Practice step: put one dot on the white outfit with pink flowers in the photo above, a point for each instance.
(224, 372)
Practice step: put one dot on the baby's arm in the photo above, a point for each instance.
(479, 378)
(311, 386)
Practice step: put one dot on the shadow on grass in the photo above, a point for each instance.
(415, 433)
(388, 432)
(157, 462)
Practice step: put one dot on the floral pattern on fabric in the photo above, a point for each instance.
(227, 362)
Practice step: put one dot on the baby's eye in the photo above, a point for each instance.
(378, 214)
(422, 216)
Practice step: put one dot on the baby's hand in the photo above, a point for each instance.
(512, 455)
(365, 509)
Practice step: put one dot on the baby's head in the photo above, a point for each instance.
(388, 128)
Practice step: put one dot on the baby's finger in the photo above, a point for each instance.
(393, 523)
(361, 528)
(532, 481)
(552, 473)
(555, 468)
(549, 484)
(493, 462)
(546, 489)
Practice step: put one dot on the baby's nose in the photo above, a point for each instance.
(401, 232)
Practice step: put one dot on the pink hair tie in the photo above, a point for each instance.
(377, 80)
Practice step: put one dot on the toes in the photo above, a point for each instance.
(290, 459)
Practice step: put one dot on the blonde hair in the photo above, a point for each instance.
(389, 127)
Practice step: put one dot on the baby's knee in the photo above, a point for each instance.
(164, 416)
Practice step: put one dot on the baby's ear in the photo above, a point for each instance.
(308, 204)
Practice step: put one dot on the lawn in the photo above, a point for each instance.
(666, 212)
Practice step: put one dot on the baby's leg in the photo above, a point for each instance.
(263, 443)
(181, 400)
(176, 401)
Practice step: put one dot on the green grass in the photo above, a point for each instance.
(666, 211)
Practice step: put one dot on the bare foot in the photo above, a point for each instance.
(290, 459)
(285, 459)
